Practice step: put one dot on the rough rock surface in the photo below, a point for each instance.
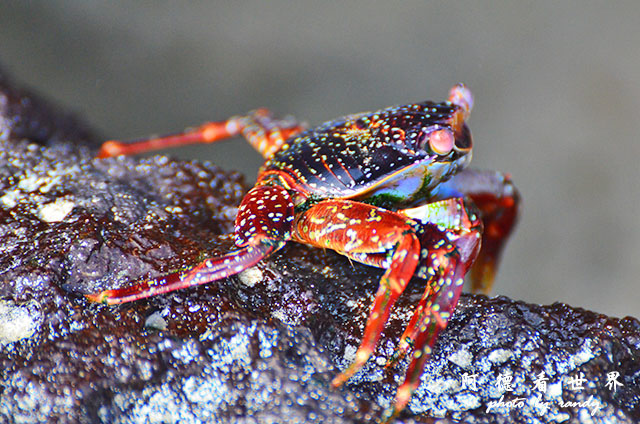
(254, 348)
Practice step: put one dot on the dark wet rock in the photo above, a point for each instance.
(259, 347)
(26, 115)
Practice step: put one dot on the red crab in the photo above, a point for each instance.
(386, 188)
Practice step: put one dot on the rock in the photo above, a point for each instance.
(257, 347)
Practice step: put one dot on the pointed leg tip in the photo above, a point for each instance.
(342, 378)
(337, 382)
(403, 396)
(97, 298)
(362, 356)
(102, 297)
(109, 149)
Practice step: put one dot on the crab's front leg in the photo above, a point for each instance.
(440, 251)
(263, 225)
(455, 227)
(371, 235)
(498, 200)
(450, 239)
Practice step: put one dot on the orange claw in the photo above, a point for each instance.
(418, 246)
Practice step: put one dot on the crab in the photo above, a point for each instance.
(389, 189)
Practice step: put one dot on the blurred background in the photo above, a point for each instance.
(557, 90)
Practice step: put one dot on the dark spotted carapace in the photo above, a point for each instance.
(386, 188)
(358, 155)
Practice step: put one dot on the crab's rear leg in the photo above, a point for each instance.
(498, 201)
(263, 132)
(373, 236)
(263, 225)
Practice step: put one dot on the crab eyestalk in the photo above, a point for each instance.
(461, 96)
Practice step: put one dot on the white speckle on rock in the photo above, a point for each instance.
(229, 212)
(251, 276)
(30, 183)
(350, 354)
(16, 322)
(10, 199)
(467, 401)
(156, 321)
(34, 182)
(500, 356)
(442, 385)
(554, 390)
(56, 211)
(174, 209)
(584, 355)
(461, 358)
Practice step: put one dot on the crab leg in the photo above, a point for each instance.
(498, 200)
(359, 230)
(439, 241)
(439, 306)
(263, 132)
(211, 269)
(392, 284)
(435, 308)
(263, 226)
(458, 248)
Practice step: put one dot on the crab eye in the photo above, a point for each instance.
(441, 141)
